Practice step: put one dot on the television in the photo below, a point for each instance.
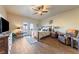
(4, 25)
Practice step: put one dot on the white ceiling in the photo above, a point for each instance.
(26, 10)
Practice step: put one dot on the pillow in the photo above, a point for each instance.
(13, 37)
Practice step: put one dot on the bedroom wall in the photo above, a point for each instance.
(65, 20)
(3, 12)
(16, 21)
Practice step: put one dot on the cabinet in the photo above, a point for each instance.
(4, 45)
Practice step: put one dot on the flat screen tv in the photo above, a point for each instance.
(4, 25)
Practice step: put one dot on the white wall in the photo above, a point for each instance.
(15, 21)
(3, 12)
(65, 20)
(69, 19)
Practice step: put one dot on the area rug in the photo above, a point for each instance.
(30, 39)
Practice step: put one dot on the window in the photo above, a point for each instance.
(31, 27)
(25, 27)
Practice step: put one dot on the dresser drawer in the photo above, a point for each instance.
(1, 41)
(4, 44)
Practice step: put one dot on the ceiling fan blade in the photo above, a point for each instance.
(42, 6)
(35, 13)
(44, 11)
(35, 9)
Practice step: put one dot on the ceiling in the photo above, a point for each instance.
(27, 11)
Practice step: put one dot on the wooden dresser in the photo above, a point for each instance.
(4, 45)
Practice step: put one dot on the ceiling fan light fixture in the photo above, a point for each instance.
(41, 9)
(39, 12)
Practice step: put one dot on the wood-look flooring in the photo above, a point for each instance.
(45, 46)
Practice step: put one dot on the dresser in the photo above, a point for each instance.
(3, 44)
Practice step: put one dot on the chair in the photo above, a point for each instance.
(75, 41)
(71, 33)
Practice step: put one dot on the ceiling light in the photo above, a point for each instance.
(42, 9)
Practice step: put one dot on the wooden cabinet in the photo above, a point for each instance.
(4, 45)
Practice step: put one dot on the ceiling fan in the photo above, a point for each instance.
(41, 9)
